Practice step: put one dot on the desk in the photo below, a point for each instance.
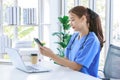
(9, 72)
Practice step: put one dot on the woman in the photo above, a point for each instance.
(83, 51)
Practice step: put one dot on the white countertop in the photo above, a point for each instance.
(9, 72)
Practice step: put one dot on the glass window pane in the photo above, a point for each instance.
(46, 22)
(84, 3)
(100, 9)
(116, 23)
(27, 33)
(9, 31)
(68, 5)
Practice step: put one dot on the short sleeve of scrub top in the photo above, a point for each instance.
(88, 56)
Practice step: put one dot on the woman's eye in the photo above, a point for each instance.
(72, 20)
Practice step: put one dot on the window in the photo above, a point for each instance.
(71, 3)
(23, 31)
(116, 23)
(68, 5)
(84, 3)
(28, 32)
(100, 9)
(46, 21)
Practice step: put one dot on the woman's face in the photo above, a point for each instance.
(77, 23)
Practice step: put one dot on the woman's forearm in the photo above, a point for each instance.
(65, 62)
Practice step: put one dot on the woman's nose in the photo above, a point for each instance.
(70, 23)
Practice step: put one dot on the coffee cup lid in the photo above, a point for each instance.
(34, 54)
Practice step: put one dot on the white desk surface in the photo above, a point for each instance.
(9, 72)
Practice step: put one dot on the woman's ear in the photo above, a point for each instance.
(83, 18)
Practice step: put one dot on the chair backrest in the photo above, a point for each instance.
(112, 64)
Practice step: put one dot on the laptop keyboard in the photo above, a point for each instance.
(31, 68)
(35, 69)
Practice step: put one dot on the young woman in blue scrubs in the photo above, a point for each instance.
(83, 51)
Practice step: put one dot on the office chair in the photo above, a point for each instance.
(112, 64)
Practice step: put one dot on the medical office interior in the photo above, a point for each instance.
(23, 20)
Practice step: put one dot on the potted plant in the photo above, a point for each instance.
(64, 35)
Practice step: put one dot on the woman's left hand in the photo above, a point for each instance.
(46, 51)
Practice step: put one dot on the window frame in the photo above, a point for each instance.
(108, 24)
(92, 4)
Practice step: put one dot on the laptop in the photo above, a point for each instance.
(19, 63)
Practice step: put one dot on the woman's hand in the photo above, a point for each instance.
(46, 51)
(62, 61)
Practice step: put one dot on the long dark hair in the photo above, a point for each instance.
(93, 19)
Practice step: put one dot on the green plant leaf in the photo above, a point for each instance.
(62, 44)
(65, 22)
(64, 19)
(61, 52)
(58, 33)
(66, 26)
(60, 19)
(67, 39)
(64, 36)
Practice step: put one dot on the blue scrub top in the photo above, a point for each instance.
(84, 53)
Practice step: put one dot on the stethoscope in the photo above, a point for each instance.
(70, 47)
(82, 43)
